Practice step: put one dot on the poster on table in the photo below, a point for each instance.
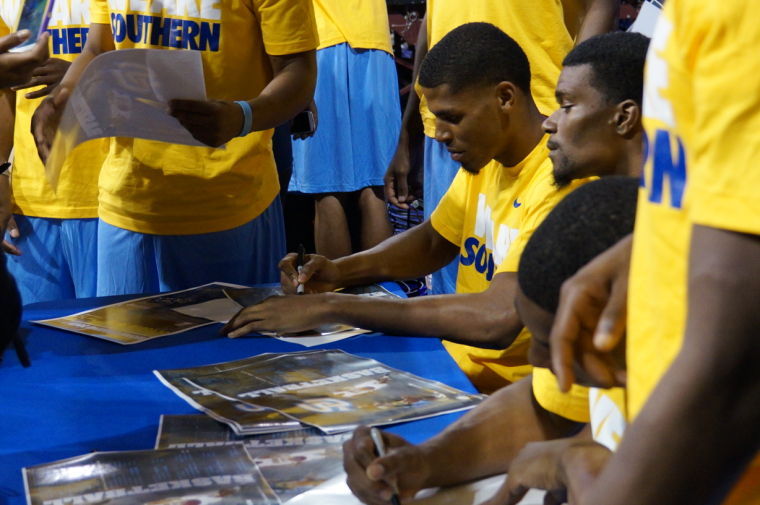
(222, 475)
(292, 462)
(329, 389)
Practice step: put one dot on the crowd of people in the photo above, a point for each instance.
(591, 228)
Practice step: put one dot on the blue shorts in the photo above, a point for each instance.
(58, 258)
(359, 119)
(439, 172)
(132, 262)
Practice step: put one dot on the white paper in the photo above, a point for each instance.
(336, 492)
(126, 93)
(220, 310)
(647, 18)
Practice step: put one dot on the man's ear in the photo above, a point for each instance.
(627, 118)
(506, 92)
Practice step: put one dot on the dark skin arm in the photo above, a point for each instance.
(486, 319)
(601, 17)
(7, 120)
(397, 176)
(216, 122)
(481, 443)
(702, 418)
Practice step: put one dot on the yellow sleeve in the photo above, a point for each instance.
(287, 26)
(725, 181)
(449, 216)
(99, 12)
(572, 405)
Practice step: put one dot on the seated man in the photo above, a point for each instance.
(477, 83)
(486, 440)
(600, 94)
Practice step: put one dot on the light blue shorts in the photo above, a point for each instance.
(58, 258)
(131, 262)
(359, 119)
(439, 172)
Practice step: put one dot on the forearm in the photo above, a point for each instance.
(702, 418)
(464, 318)
(601, 17)
(485, 440)
(7, 120)
(414, 253)
(99, 41)
(411, 122)
(288, 93)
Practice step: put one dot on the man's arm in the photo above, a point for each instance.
(483, 442)
(397, 175)
(215, 122)
(699, 427)
(7, 121)
(601, 17)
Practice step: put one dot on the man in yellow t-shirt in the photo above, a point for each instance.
(478, 85)
(52, 233)
(692, 320)
(174, 216)
(545, 29)
(342, 165)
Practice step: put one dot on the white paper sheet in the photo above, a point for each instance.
(126, 93)
(220, 310)
(336, 492)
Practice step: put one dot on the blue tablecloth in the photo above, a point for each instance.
(83, 394)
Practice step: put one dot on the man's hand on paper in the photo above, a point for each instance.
(16, 68)
(588, 335)
(564, 468)
(46, 119)
(7, 223)
(280, 314)
(49, 74)
(318, 274)
(374, 480)
(213, 122)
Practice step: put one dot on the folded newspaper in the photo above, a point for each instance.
(328, 389)
(292, 463)
(150, 317)
(222, 475)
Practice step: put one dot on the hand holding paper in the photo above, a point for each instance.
(213, 122)
(46, 119)
(16, 68)
(49, 74)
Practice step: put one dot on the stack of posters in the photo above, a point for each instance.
(292, 462)
(328, 389)
(222, 475)
(146, 318)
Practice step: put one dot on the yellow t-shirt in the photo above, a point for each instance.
(491, 216)
(160, 188)
(573, 405)
(77, 193)
(363, 24)
(700, 169)
(538, 27)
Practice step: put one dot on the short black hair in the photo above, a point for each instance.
(475, 54)
(617, 61)
(586, 223)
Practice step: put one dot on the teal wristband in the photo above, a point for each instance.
(247, 117)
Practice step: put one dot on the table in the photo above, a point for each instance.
(83, 394)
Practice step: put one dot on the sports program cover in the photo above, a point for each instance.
(206, 476)
(292, 462)
(151, 317)
(243, 418)
(332, 390)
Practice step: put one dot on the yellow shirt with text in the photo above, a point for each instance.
(491, 216)
(700, 169)
(538, 27)
(363, 24)
(160, 188)
(76, 195)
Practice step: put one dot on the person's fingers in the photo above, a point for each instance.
(390, 193)
(611, 328)
(12, 228)
(40, 92)
(39, 52)
(313, 264)
(509, 493)
(10, 41)
(402, 189)
(10, 248)
(191, 106)
(288, 271)
(563, 336)
(598, 368)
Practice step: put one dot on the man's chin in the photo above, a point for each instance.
(563, 176)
